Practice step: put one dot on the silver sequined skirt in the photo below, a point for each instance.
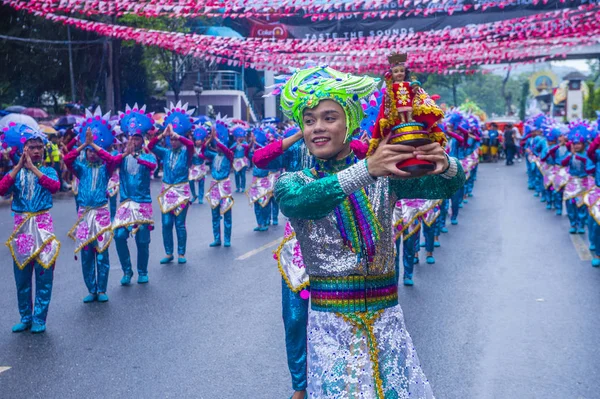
(363, 355)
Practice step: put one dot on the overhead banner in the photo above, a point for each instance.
(356, 27)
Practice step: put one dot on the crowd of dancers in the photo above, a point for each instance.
(563, 169)
(114, 201)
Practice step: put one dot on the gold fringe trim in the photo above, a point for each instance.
(228, 208)
(251, 202)
(280, 267)
(177, 208)
(91, 240)
(366, 321)
(441, 138)
(36, 253)
(139, 223)
(427, 109)
(373, 144)
(53, 260)
(170, 186)
(207, 196)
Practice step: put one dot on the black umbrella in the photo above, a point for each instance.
(15, 109)
(67, 121)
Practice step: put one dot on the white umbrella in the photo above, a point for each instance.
(19, 118)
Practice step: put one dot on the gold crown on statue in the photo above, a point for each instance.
(397, 58)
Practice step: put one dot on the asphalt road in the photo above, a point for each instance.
(510, 310)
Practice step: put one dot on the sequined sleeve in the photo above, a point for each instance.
(308, 198)
(431, 187)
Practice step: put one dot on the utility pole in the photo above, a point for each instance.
(110, 90)
(71, 73)
(116, 75)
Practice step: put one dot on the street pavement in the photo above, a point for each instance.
(509, 310)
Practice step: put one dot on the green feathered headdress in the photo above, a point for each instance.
(308, 87)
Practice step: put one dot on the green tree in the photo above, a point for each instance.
(163, 65)
(523, 100)
(485, 89)
(37, 74)
(446, 84)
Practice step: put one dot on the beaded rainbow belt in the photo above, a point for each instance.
(352, 294)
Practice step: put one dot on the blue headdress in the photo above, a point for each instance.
(271, 131)
(539, 121)
(101, 126)
(179, 117)
(552, 134)
(371, 108)
(454, 119)
(579, 132)
(201, 132)
(15, 135)
(222, 128)
(135, 121)
(238, 131)
(291, 130)
(260, 136)
(474, 124)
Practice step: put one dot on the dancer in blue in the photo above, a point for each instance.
(32, 244)
(551, 158)
(134, 215)
(538, 148)
(92, 232)
(431, 230)
(458, 131)
(241, 151)
(113, 189)
(199, 169)
(525, 144)
(219, 194)
(577, 162)
(407, 230)
(592, 198)
(273, 215)
(291, 153)
(174, 197)
(260, 193)
(473, 144)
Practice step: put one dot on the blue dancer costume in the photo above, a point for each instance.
(199, 168)
(592, 198)
(241, 151)
(273, 215)
(457, 129)
(175, 194)
(219, 194)
(294, 283)
(550, 161)
(260, 193)
(33, 245)
(578, 184)
(113, 189)
(134, 215)
(92, 232)
(473, 144)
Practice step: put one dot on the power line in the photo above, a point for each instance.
(56, 42)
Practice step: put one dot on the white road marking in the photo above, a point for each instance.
(581, 246)
(3, 369)
(259, 249)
